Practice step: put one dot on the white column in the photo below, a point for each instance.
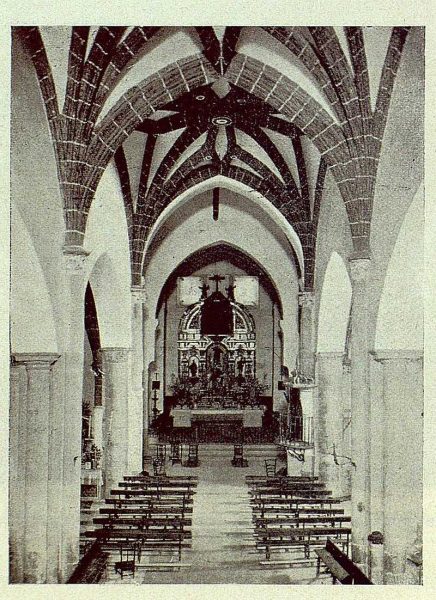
(360, 494)
(97, 425)
(75, 282)
(136, 391)
(17, 466)
(115, 363)
(36, 464)
(403, 447)
(346, 428)
(329, 419)
(377, 463)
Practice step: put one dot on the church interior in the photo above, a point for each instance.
(216, 312)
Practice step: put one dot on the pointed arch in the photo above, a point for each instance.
(32, 320)
(334, 307)
(400, 316)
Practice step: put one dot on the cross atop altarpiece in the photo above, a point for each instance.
(217, 279)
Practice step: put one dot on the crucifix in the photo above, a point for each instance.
(217, 279)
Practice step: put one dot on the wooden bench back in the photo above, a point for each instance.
(346, 563)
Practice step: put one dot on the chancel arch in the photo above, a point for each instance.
(239, 228)
(220, 346)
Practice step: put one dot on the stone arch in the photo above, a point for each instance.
(253, 238)
(399, 324)
(243, 189)
(108, 265)
(335, 304)
(32, 320)
(113, 303)
(221, 251)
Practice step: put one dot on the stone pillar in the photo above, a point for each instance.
(34, 464)
(307, 342)
(74, 303)
(137, 434)
(115, 363)
(346, 427)
(360, 406)
(403, 447)
(17, 462)
(329, 418)
(377, 463)
(97, 425)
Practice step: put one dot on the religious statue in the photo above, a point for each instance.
(193, 365)
(231, 293)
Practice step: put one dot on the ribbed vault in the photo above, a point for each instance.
(227, 107)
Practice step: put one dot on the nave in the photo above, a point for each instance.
(217, 241)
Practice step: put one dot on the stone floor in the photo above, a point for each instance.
(223, 549)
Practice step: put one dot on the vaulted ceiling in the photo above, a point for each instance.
(271, 107)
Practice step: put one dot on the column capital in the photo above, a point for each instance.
(35, 360)
(306, 299)
(115, 355)
(138, 294)
(75, 257)
(406, 354)
(359, 268)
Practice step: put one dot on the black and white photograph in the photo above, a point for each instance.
(216, 298)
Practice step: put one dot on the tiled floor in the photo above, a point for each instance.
(223, 549)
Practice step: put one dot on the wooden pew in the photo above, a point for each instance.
(290, 493)
(169, 478)
(150, 511)
(286, 485)
(307, 537)
(297, 504)
(340, 567)
(151, 500)
(173, 547)
(277, 478)
(143, 521)
(152, 492)
(280, 501)
(188, 486)
(334, 520)
(296, 511)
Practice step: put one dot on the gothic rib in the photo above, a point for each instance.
(267, 144)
